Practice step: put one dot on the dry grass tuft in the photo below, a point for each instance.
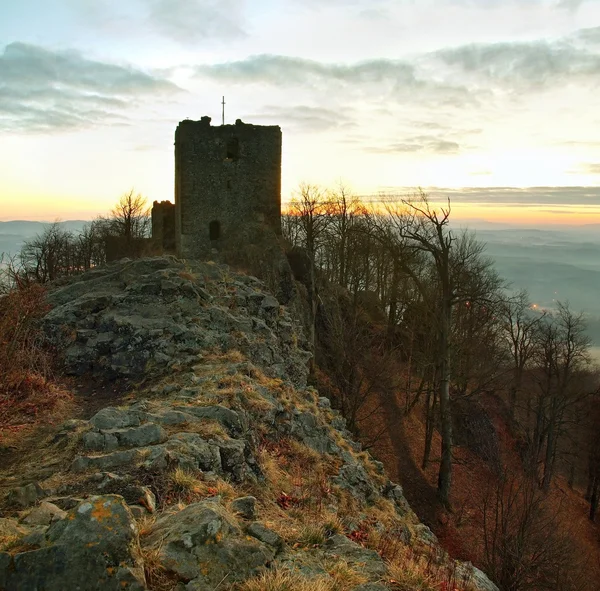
(285, 581)
(206, 428)
(311, 535)
(158, 578)
(223, 489)
(344, 576)
(413, 571)
(410, 576)
(145, 524)
(8, 542)
(186, 482)
(185, 487)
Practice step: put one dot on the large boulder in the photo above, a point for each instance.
(204, 545)
(95, 548)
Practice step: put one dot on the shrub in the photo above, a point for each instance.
(21, 343)
(26, 390)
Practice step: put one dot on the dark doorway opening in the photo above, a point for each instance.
(233, 149)
(214, 230)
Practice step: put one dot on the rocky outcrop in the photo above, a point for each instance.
(141, 318)
(222, 468)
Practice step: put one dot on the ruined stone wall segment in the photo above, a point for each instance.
(163, 226)
(228, 176)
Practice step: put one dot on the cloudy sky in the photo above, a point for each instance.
(494, 102)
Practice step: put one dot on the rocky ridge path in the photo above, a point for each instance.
(221, 469)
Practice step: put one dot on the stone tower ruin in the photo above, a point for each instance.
(227, 185)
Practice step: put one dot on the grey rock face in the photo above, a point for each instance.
(94, 548)
(468, 572)
(148, 434)
(306, 427)
(5, 562)
(356, 555)
(228, 418)
(203, 545)
(353, 477)
(143, 317)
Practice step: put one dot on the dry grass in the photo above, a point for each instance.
(185, 481)
(296, 476)
(224, 489)
(311, 534)
(285, 581)
(40, 402)
(158, 578)
(206, 428)
(231, 356)
(344, 576)
(8, 542)
(410, 576)
(183, 486)
(146, 523)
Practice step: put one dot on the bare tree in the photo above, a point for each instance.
(519, 327)
(48, 255)
(526, 547)
(562, 360)
(462, 275)
(130, 218)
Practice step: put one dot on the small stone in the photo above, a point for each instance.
(323, 402)
(93, 441)
(113, 418)
(44, 514)
(148, 434)
(264, 534)
(25, 496)
(245, 506)
(138, 511)
(269, 303)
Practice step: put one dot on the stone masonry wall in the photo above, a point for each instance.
(226, 177)
(163, 226)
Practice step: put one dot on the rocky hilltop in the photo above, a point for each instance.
(217, 469)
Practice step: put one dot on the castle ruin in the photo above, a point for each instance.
(227, 186)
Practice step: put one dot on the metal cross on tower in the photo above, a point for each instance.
(223, 103)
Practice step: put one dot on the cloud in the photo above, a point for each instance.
(531, 196)
(587, 168)
(518, 65)
(590, 36)
(458, 77)
(304, 118)
(381, 81)
(43, 90)
(194, 21)
(282, 70)
(421, 143)
(571, 5)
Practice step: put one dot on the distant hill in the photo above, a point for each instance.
(13, 234)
